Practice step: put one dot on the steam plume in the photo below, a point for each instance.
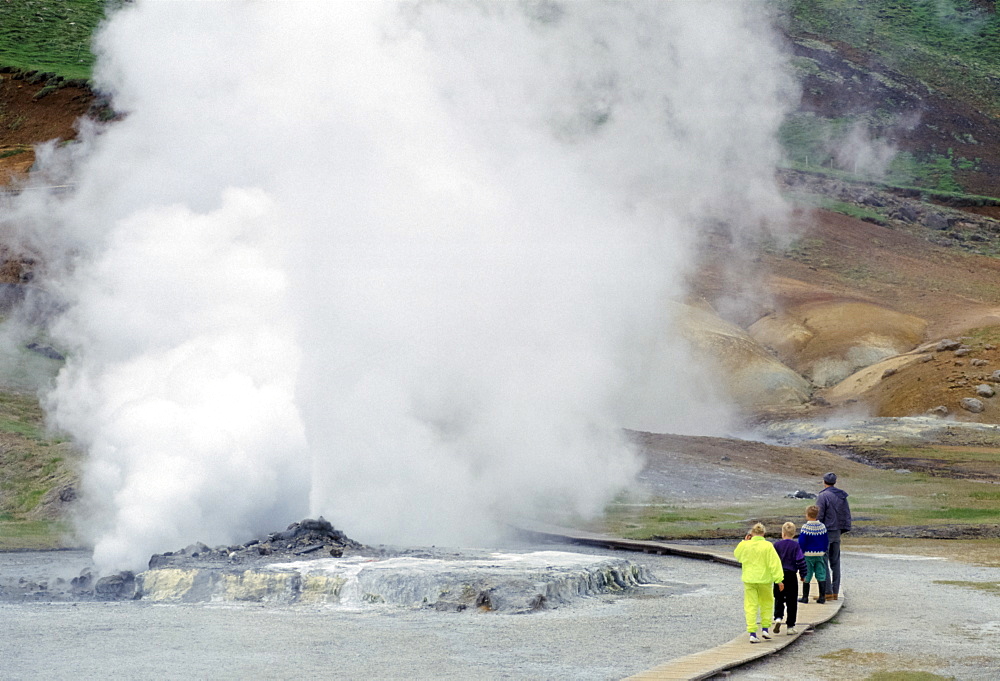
(406, 266)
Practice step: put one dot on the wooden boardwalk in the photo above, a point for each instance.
(706, 663)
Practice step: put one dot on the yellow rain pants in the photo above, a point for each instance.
(758, 598)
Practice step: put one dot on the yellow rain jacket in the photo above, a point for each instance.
(761, 564)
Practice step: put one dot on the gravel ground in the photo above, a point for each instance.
(896, 618)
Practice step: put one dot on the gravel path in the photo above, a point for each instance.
(896, 618)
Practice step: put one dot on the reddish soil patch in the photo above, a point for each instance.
(988, 211)
(851, 259)
(26, 120)
(839, 258)
(944, 380)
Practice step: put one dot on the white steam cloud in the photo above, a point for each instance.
(405, 266)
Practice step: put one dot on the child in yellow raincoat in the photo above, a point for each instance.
(761, 569)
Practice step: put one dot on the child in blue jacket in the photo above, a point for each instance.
(814, 542)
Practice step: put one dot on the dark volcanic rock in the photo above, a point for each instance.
(84, 582)
(939, 221)
(946, 344)
(306, 539)
(116, 587)
(800, 494)
(46, 351)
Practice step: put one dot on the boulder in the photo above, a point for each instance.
(984, 390)
(116, 587)
(971, 404)
(906, 213)
(196, 549)
(938, 221)
(800, 494)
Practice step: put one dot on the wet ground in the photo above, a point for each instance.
(599, 637)
(899, 615)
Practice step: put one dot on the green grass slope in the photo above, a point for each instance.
(906, 93)
(952, 45)
(37, 476)
(51, 36)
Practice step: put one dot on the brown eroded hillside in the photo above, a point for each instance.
(835, 261)
(30, 114)
(928, 271)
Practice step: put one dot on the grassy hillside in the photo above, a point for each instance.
(952, 45)
(902, 92)
(50, 35)
(38, 478)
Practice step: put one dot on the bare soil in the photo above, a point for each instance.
(27, 119)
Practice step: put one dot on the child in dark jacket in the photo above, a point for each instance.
(814, 542)
(792, 561)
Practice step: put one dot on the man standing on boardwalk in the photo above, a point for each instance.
(835, 513)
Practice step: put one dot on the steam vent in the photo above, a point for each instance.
(313, 563)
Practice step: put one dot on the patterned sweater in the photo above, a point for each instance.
(813, 538)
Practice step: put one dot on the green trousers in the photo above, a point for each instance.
(758, 599)
(816, 565)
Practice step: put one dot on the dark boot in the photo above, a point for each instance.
(805, 593)
(822, 593)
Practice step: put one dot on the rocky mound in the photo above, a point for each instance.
(828, 341)
(957, 379)
(454, 582)
(969, 224)
(308, 538)
(751, 375)
(306, 564)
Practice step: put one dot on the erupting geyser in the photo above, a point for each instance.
(402, 265)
